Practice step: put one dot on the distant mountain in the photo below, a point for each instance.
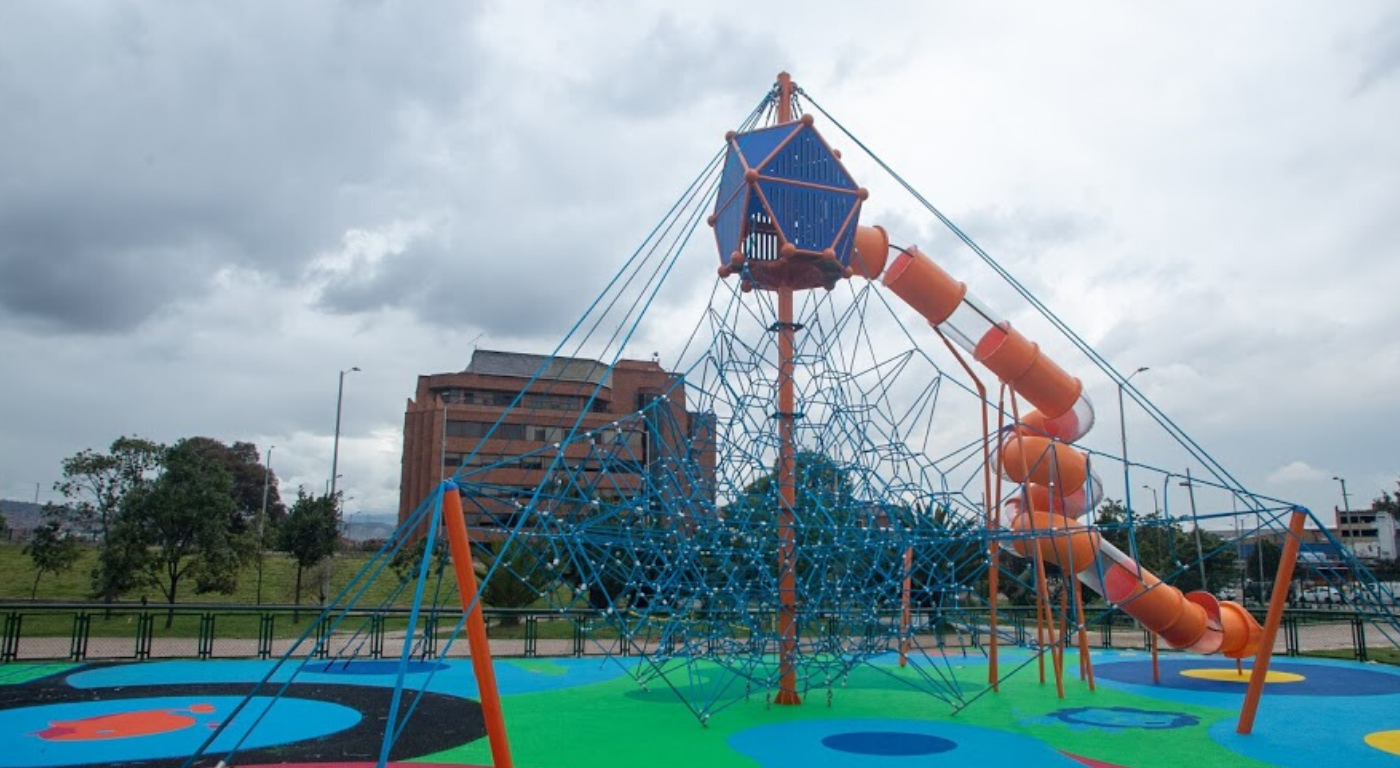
(22, 515)
(359, 526)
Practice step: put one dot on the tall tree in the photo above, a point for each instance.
(52, 550)
(95, 483)
(1165, 547)
(250, 476)
(520, 578)
(309, 533)
(1387, 503)
(178, 527)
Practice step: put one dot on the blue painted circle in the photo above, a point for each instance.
(1319, 679)
(809, 742)
(31, 739)
(888, 743)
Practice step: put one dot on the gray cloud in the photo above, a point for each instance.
(155, 142)
(675, 63)
(1379, 49)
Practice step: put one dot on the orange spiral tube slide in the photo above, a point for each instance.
(924, 285)
(1040, 460)
(1198, 622)
(1058, 480)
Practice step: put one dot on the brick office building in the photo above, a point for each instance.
(635, 424)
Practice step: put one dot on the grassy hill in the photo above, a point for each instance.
(279, 581)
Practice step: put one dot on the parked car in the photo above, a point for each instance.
(1381, 593)
(1324, 595)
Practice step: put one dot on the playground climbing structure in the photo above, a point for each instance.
(854, 460)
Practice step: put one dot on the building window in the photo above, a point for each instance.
(480, 429)
(544, 434)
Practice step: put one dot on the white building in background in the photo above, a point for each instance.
(1368, 533)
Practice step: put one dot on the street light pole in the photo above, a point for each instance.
(1196, 521)
(1346, 500)
(262, 517)
(1123, 438)
(1156, 506)
(335, 445)
(335, 470)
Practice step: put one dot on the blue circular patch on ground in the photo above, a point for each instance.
(1320, 679)
(887, 743)
(119, 731)
(372, 667)
(1118, 718)
(805, 743)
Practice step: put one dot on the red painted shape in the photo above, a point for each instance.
(123, 724)
(1089, 761)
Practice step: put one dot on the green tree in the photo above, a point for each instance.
(178, 527)
(1166, 547)
(406, 559)
(52, 550)
(519, 580)
(94, 485)
(250, 477)
(309, 533)
(941, 576)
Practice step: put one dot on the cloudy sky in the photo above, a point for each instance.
(208, 210)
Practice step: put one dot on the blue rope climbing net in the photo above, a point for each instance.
(658, 532)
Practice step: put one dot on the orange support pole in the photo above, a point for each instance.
(1156, 668)
(1086, 664)
(992, 515)
(1048, 631)
(1040, 627)
(460, 544)
(904, 613)
(1282, 581)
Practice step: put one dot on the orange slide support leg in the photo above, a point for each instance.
(904, 607)
(460, 544)
(1276, 603)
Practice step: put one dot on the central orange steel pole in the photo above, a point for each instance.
(1282, 581)
(477, 645)
(787, 489)
(787, 469)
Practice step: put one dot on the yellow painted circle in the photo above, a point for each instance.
(1231, 676)
(1385, 741)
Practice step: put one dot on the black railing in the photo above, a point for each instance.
(35, 631)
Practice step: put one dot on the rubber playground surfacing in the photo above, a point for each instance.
(587, 713)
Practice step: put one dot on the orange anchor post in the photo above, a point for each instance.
(1282, 581)
(460, 544)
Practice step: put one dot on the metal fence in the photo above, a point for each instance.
(122, 631)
